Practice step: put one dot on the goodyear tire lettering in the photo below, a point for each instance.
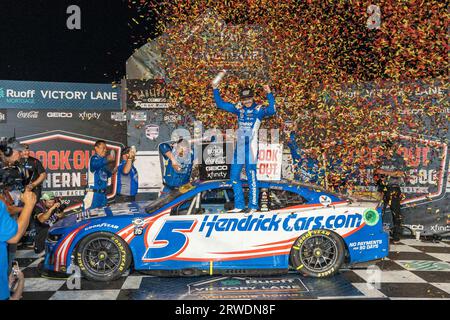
(298, 249)
(125, 257)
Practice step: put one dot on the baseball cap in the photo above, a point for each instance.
(125, 150)
(246, 93)
(48, 196)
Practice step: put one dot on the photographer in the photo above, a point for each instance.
(10, 233)
(46, 213)
(36, 171)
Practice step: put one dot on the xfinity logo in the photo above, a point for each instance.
(28, 115)
(89, 116)
(59, 114)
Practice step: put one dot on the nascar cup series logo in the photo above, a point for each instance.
(152, 131)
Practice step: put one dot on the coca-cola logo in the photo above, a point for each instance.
(218, 160)
(28, 114)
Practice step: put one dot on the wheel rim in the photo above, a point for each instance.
(318, 253)
(101, 256)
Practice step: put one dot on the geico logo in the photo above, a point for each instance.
(59, 114)
(216, 168)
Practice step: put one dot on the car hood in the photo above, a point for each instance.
(116, 209)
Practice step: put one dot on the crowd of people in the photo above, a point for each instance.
(35, 210)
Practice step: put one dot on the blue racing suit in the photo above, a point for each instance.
(246, 151)
(305, 169)
(172, 178)
(98, 174)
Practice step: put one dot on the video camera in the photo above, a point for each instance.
(13, 177)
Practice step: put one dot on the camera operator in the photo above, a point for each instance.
(11, 232)
(36, 171)
(47, 212)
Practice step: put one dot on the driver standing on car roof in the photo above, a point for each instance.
(249, 114)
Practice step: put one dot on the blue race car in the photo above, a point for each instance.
(189, 232)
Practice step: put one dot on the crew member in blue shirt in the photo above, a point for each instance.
(98, 174)
(127, 177)
(177, 167)
(250, 116)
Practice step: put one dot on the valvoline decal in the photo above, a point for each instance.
(292, 222)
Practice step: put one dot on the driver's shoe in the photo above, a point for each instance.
(249, 212)
(235, 210)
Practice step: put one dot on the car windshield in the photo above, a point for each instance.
(160, 202)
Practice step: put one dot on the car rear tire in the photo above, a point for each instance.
(318, 253)
(103, 256)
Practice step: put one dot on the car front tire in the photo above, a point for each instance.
(103, 256)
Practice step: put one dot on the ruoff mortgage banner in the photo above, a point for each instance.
(58, 95)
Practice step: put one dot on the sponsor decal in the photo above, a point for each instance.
(102, 225)
(293, 222)
(172, 118)
(89, 115)
(365, 245)
(270, 158)
(119, 116)
(214, 165)
(17, 96)
(152, 131)
(325, 200)
(3, 115)
(59, 114)
(138, 116)
(27, 114)
(138, 226)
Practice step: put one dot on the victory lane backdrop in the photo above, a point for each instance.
(63, 141)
